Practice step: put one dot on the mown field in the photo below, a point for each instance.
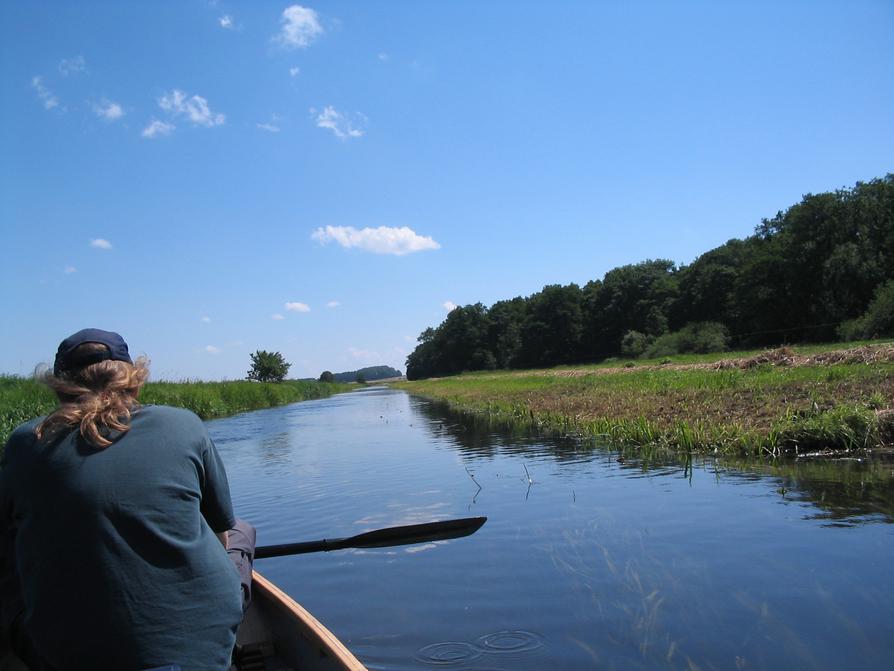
(22, 399)
(790, 400)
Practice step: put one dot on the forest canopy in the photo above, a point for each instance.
(820, 270)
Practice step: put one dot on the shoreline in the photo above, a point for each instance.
(829, 401)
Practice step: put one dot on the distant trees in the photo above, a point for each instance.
(823, 266)
(327, 376)
(268, 367)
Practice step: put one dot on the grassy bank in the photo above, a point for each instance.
(21, 399)
(760, 403)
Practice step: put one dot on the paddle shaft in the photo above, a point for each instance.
(403, 535)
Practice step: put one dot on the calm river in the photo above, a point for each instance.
(586, 561)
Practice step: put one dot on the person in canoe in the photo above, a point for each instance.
(113, 521)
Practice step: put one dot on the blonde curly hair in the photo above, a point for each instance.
(96, 397)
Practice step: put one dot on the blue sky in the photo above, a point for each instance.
(326, 180)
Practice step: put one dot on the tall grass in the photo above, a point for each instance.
(22, 399)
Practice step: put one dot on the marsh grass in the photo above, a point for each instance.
(22, 399)
(763, 410)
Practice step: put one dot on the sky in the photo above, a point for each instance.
(328, 180)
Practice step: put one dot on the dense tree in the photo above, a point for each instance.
(463, 340)
(327, 376)
(504, 331)
(707, 286)
(268, 367)
(636, 297)
(815, 268)
(551, 330)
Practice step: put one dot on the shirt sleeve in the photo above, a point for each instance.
(11, 603)
(216, 506)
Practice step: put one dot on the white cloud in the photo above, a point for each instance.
(382, 56)
(277, 317)
(358, 353)
(194, 108)
(70, 269)
(206, 320)
(342, 125)
(269, 127)
(211, 349)
(72, 66)
(226, 21)
(100, 243)
(297, 307)
(108, 110)
(449, 306)
(294, 71)
(332, 304)
(157, 128)
(300, 27)
(49, 100)
(381, 240)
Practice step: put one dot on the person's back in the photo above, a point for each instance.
(115, 544)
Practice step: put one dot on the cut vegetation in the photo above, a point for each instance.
(802, 401)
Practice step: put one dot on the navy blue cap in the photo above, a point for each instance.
(67, 359)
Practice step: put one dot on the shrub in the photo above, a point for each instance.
(878, 320)
(694, 338)
(634, 343)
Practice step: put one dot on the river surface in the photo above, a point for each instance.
(588, 560)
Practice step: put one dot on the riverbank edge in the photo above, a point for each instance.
(22, 399)
(839, 429)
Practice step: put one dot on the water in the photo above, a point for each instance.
(587, 560)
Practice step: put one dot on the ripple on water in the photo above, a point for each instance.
(448, 653)
(509, 641)
(452, 653)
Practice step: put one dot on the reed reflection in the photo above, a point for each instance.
(844, 492)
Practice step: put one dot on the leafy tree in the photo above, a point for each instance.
(268, 367)
(634, 297)
(504, 331)
(463, 340)
(327, 376)
(551, 331)
(707, 286)
(361, 379)
(425, 360)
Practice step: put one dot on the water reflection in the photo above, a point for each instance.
(591, 557)
(845, 492)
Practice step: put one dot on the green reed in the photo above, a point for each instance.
(766, 410)
(22, 399)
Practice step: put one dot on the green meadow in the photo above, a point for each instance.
(22, 399)
(825, 399)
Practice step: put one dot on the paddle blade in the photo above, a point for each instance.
(388, 537)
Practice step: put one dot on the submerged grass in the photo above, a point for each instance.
(22, 399)
(761, 410)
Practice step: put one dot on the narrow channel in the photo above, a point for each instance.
(588, 560)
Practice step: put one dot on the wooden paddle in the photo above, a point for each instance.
(405, 535)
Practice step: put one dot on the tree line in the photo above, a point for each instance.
(822, 269)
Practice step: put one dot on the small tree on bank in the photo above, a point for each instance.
(268, 367)
(327, 376)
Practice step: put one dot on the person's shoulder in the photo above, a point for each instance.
(22, 436)
(169, 415)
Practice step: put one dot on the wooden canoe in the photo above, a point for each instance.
(277, 634)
